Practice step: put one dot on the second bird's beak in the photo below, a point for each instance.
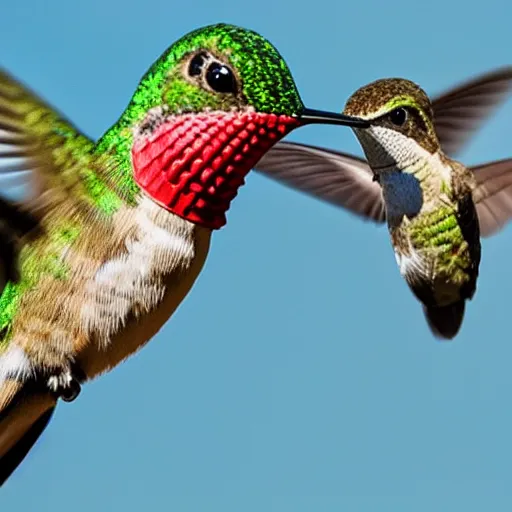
(312, 116)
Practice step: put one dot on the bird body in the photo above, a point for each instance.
(435, 235)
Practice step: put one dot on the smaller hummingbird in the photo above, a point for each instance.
(435, 207)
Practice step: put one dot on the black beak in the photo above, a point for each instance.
(311, 116)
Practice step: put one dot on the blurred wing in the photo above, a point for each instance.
(334, 177)
(460, 112)
(38, 146)
(493, 195)
(41, 153)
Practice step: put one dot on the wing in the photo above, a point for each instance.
(40, 149)
(467, 218)
(460, 112)
(55, 163)
(21, 423)
(493, 195)
(335, 177)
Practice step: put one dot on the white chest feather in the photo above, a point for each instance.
(133, 282)
(411, 177)
(411, 263)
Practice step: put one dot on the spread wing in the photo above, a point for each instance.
(40, 149)
(337, 178)
(49, 159)
(43, 153)
(460, 112)
(346, 181)
(493, 195)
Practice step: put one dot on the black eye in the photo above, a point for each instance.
(398, 116)
(196, 64)
(220, 78)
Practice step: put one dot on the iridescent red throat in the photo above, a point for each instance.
(193, 164)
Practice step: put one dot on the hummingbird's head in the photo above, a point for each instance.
(401, 128)
(206, 112)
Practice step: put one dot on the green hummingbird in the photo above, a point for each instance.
(125, 222)
(436, 208)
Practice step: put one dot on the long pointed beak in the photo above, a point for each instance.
(312, 116)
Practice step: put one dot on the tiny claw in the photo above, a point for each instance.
(65, 386)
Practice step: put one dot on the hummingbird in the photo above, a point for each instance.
(436, 208)
(114, 232)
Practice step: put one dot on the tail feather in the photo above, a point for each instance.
(21, 424)
(445, 321)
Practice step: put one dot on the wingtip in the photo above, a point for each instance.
(15, 456)
(23, 418)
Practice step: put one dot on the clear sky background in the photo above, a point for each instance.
(299, 374)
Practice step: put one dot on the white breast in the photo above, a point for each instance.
(405, 170)
(14, 364)
(134, 279)
(411, 263)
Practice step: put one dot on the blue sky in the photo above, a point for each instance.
(299, 374)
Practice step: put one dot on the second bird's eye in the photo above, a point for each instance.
(398, 116)
(220, 78)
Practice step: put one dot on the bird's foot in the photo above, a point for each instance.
(64, 385)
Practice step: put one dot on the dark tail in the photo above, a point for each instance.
(445, 321)
(21, 424)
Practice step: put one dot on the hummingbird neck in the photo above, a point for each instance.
(388, 150)
(193, 164)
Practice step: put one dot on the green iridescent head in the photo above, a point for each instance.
(222, 67)
(398, 105)
(218, 68)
